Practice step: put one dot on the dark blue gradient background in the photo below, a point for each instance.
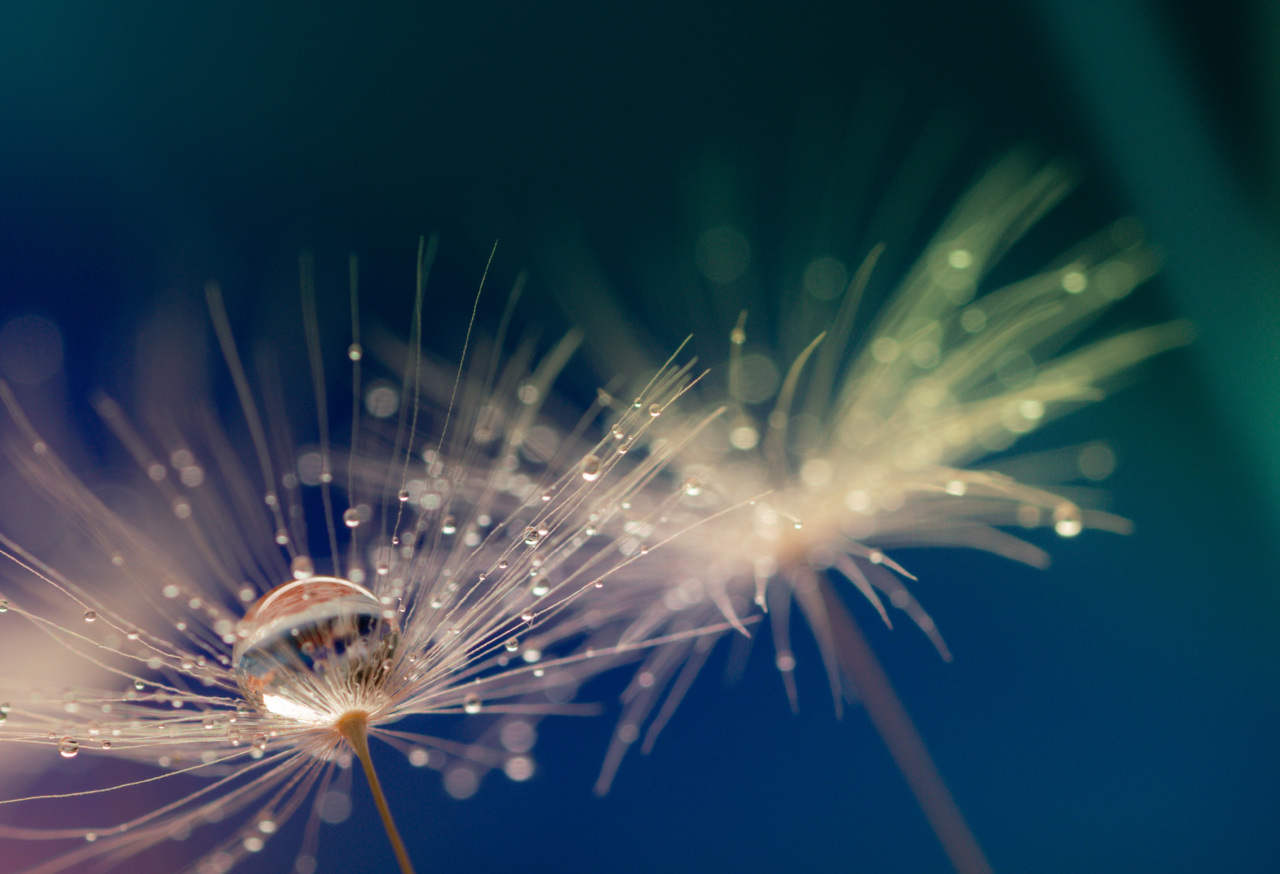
(1116, 713)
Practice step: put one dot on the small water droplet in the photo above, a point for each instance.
(351, 517)
(355, 352)
(618, 433)
(471, 704)
(448, 525)
(502, 564)
(655, 411)
(68, 747)
(1067, 521)
(531, 537)
(526, 616)
(4, 605)
(591, 468)
(512, 644)
(403, 496)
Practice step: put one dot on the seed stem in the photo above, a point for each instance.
(354, 727)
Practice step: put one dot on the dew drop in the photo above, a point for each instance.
(68, 747)
(448, 525)
(539, 589)
(502, 565)
(351, 517)
(531, 537)
(259, 742)
(618, 433)
(512, 644)
(355, 352)
(591, 468)
(692, 487)
(471, 704)
(4, 605)
(655, 411)
(527, 616)
(1067, 521)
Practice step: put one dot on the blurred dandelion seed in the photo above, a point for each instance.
(857, 451)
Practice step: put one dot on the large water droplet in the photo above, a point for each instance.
(471, 704)
(591, 468)
(68, 747)
(351, 517)
(307, 636)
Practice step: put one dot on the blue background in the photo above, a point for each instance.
(1117, 712)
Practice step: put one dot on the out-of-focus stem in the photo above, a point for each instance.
(899, 734)
(355, 728)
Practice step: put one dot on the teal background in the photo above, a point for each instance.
(1115, 713)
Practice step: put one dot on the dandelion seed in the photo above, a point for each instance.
(255, 657)
(875, 450)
